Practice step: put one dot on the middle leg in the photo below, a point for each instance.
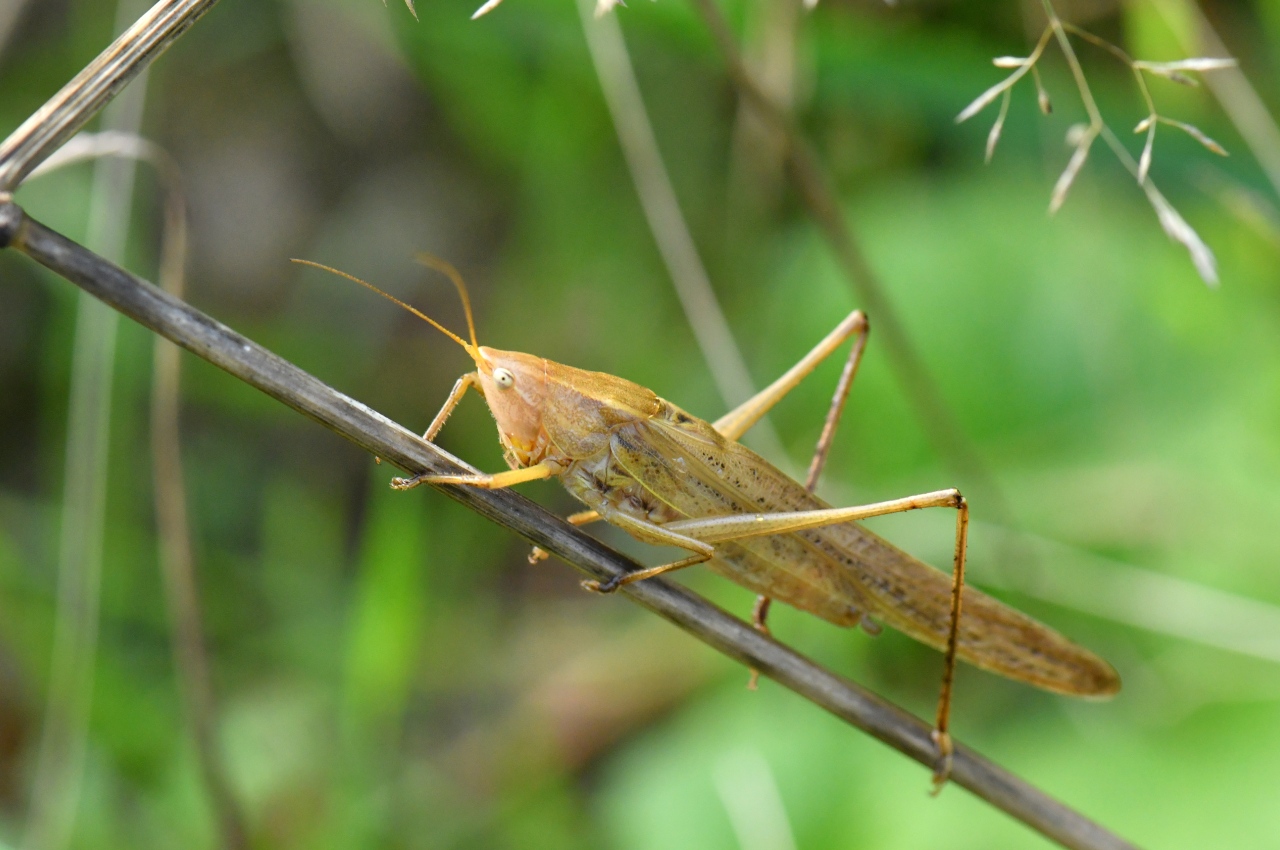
(581, 518)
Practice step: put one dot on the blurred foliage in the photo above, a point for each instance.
(389, 670)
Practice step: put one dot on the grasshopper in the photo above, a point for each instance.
(669, 478)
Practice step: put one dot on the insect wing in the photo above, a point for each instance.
(889, 584)
(689, 476)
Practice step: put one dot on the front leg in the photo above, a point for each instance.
(460, 387)
(471, 379)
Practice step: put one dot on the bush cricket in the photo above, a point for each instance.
(668, 478)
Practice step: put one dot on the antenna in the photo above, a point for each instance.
(473, 349)
(445, 267)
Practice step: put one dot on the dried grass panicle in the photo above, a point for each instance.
(1081, 140)
(409, 3)
(1173, 70)
(1196, 133)
(993, 138)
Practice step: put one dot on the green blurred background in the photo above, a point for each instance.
(390, 672)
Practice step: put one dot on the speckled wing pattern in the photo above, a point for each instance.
(842, 571)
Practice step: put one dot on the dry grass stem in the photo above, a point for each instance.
(1068, 176)
(41, 140)
(60, 759)
(177, 561)
(90, 90)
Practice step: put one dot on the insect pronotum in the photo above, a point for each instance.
(668, 478)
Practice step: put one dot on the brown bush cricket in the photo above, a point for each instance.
(671, 479)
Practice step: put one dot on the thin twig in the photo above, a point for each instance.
(100, 81)
(666, 221)
(815, 189)
(368, 429)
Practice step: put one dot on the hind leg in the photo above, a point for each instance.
(737, 422)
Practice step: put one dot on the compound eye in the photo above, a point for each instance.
(503, 378)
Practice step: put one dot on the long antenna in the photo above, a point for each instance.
(473, 349)
(446, 268)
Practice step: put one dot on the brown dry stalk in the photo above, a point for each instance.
(59, 769)
(94, 87)
(177, 563)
